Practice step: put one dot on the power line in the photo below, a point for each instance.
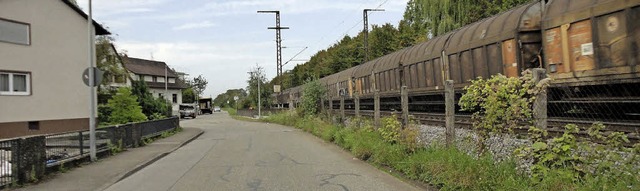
(339, 24)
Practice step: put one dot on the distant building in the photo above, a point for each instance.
(153, 73)
(43, 52)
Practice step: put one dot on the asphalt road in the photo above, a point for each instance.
(239, 155)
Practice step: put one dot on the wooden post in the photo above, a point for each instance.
(404, 100)
(376, 109)
(290, 102)
(321, 105)
(540, 104)
(356, 101)
(450, 111)
(330, 110)
(342, 116)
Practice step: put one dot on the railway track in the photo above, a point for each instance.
(555, 125)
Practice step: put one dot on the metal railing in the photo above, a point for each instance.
(24, 154)
(61, 148)
(6, 162)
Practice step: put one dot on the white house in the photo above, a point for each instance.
(43, 52)
(161, 80)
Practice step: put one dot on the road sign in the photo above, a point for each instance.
(97, 76)
(276, 88)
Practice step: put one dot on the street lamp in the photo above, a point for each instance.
(365, 19)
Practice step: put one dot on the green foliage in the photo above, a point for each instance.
(500, 103)
(312, 93)
(231, 111)
(104, 112)
(149, 104)
(108, 60)
(390, 129)
(596, 166)
(422, 20)
(157, 116)
(557, 155)
(226, 99)
(257, 76)
(62, 168)
(115, 148)
(188, 95)
(125, 108)
(452, 169)
(447, 169)
(199, 84)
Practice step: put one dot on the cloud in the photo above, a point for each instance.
(237, 7)
(199, 25)
(217, 62)
(119, 7)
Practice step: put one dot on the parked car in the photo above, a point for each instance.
(216, 109)
(188, 110)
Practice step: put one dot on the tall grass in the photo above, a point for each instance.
(444, 168)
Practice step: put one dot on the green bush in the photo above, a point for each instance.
(452, 169)
(312, 93)
(124, 108)
(149, 104)
(390, 129)
(500, 103)
(104, 111)
(363, 143)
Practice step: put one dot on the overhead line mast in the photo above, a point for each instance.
(278, 41)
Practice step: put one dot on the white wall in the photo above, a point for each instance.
(56, 59)
(155, 92)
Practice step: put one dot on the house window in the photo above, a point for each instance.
(15, 83)
(15, 32)
(175, 98)
(160, 79)
(148, 78)
(172, 80)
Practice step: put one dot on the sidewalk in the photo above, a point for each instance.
(107, 171)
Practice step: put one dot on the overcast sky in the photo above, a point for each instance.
(223, 39)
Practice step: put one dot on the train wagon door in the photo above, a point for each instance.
(509, 58)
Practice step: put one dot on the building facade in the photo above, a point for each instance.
(43, 52)
(161, 80)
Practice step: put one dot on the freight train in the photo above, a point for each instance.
(590, 48)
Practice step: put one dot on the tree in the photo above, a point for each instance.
(422, 20)
(199, 84)
(108, 60)
(188, 95)
(257, 75)
(150, 106)
(226, 99)
(124, 108)
(312, 92)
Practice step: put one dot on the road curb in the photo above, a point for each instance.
(149, 162)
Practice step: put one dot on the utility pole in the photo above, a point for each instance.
(92, 91)
(259, 103)
(278, 41)
(365, 19)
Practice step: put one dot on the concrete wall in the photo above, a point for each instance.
(56, 59)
